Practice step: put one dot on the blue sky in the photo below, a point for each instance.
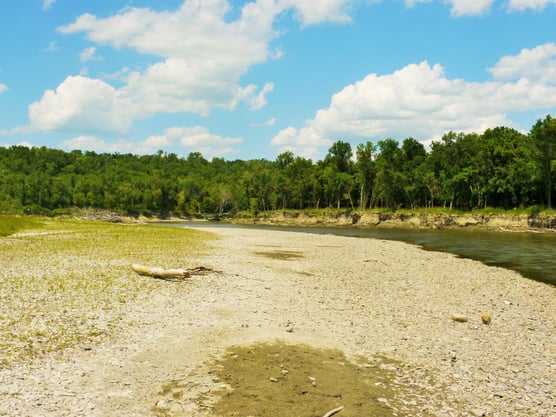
(251, 79)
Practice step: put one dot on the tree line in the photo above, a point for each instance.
(501, 168)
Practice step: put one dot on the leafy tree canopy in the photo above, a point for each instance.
(500, 168)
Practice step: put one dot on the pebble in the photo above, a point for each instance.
(160, 404)
(289, 327)
(486, 318)
(460, 318)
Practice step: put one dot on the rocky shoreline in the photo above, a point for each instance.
(537, 222)
(518, 222)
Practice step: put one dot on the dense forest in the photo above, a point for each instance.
(499, 168)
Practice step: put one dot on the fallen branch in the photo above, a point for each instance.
(170, 274)
(335, 411)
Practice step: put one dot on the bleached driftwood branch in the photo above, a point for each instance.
(335, 411)
(169, 274)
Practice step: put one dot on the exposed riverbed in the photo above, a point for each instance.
(175, 347)
(531, 254)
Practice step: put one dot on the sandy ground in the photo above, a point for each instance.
(367, 297)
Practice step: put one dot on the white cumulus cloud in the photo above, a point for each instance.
(92, 143)
(202, 58)
(529, 4)
(250, 96)
(420, 101)
(194, 139)
(470, 7)
(47, 4)
(24, 143)
(83, 104)
(184, 139)
(89, 54)
(312, 12)
(3, 88)
(461, 7)
(537, 64)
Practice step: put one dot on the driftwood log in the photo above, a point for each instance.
(176, 274)
(335, 411)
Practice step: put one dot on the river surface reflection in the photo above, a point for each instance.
(533, 255)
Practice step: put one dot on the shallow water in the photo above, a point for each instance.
(533, 255)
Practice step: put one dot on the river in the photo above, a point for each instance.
(533, 255)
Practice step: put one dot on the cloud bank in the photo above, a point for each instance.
(529, 4)
(202, 59)
(459, 8)
(420, 101)
(191, 139)
(200, 56)
(311, 12)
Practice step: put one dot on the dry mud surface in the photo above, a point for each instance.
(387, 302)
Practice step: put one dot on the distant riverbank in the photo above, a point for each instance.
(417, 220)
(523, 220)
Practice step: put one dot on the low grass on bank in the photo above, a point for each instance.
(70, 281)
(10, 224)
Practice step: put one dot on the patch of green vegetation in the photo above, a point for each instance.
(10, 224)
(546, 212)
(486, 211)
(420, 210)
(72, 282)
(298, 380)
(496, 211)
(326, 212)
(525, 211)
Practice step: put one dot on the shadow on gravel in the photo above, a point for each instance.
(281, 255)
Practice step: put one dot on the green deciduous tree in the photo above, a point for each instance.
(500, 168)
(543, 135)
(366, 172)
